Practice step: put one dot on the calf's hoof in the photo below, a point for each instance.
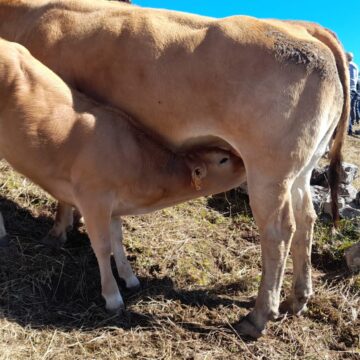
(4, 241)
(247, 328)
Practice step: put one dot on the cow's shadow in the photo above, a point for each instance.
(43, 287)
(230, 203)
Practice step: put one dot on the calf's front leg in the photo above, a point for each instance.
(66, 218)
(97, 216)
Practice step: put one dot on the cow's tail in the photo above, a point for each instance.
(328, 38)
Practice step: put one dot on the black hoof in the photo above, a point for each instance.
(134, 289)
(246, 328)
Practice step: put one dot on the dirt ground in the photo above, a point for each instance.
(199, 266)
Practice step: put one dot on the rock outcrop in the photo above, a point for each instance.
(349, 198)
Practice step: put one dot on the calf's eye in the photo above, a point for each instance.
(224, 160)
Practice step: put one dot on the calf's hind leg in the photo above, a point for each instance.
(64, 219)
(123, 266)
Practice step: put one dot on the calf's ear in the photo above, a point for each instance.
(197, 174)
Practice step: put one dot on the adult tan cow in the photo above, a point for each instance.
(96, 158)
(271, 91)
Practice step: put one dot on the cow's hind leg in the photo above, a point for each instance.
(273, 212)
(123, 266)
(305, 217)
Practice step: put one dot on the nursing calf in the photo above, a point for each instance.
(96, 159)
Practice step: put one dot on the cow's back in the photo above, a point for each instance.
(162, 66)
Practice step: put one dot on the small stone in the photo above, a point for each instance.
(327, 205)
(357, 199)
(319, 177)
(319, 195)
(348, 192)
(350, 173)
(349, 212)
(352, 256)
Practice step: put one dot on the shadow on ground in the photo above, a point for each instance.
(230, 203)
(42, 287)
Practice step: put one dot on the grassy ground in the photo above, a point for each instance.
(199, 264)
(352, 152)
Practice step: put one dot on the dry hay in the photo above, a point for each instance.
(199, 265)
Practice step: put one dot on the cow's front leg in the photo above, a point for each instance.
(64, 219)
(123, 266)
(272, 209)
(97, 217)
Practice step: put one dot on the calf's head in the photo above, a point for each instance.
(214, 170)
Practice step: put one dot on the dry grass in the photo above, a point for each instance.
(199, 264)
(352, 152)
